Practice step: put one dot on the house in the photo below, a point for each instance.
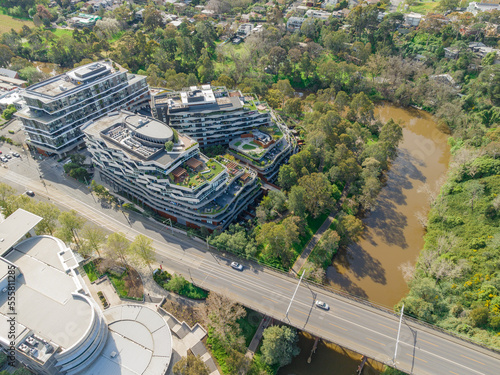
(99, 4)
(294, 23)
(12, 97)
(483, 6)
(329, 3)
(84, 20)
(413, 19)
(244, 30)
(320, 14)
(451, 53)
(481, 50)
(9, 73)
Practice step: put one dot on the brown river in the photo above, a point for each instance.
(393, 236)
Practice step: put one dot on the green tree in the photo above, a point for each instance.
(294, 107)
(177, 283)
(169, 146)
(71, 223)
(479, 316)
(142, 248)
(93, 237)
(50, 214)
(297, 201)
(287, 177)
(6, 191)
(474, 190)
(190, 365)
(9, 112)
(279, 345)
(326, 248)
(274, 98)
(350, 227)
(318, 197)
(6, 55)
(118, 247)
(390, 136)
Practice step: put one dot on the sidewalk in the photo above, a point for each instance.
(299, 263)
(254, 344)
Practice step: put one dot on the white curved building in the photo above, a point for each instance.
(51, 324)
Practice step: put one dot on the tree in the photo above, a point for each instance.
(326, 248)
(479, 316)
(279, 345)
(350, 227)
(390, 136)
(6, 191)
(294, 107)
(93, 237)
(9, 112)
(70, 224)
(318, 197)
(474, 190)
(284, 87)
(287, 177)
(118, 247)
(6, 55)
(277, 241)
(169, 146)
(274, 98)
(296, 201)
(190, 365)
(221, 314)
(445, 5)
(142, 248)
(152, 18)
(50, 214)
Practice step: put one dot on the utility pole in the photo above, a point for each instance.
(399, 331)
(297, 288)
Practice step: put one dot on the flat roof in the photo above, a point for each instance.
(139, 343)
(47, 298)
(149, 127)
(15, 227)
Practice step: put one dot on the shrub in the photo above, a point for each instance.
(479, 316)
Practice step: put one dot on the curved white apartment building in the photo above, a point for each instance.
(183, 184)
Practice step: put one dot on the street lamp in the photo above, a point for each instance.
(297, 288)
(399, 331)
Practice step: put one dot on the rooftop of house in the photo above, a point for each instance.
(141, 137)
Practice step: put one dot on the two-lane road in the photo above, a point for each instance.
(351, 324)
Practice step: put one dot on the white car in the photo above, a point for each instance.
(322, 305)
(237, 266)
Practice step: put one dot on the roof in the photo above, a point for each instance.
(140, 340)
(47, 298)
(8, 73)
(194, 163)
(178, 172)
(15, 227)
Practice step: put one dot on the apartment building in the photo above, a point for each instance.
(211, 116)
(58, 107)
(148, 161)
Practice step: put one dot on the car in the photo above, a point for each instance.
(29, 193)
(322, 305)
(8, 156)
(237, 266)
(16, 154)
(4, 159)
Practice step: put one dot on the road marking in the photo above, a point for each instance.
(423, 360)
(430, 343)
(338, 327)
(269, 299)
(282, 287)
(383, 325)
(472, 359)
(375, 341)
(453, 372)
(237, 286)
(350, 313)
(301, 312)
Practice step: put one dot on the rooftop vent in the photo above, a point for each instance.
(113, 354)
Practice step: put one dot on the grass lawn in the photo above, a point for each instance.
(237, 143)
(249, 325)
(424, 7)
(91, 271)
(249, 147)
(60, 32)
(7, 23)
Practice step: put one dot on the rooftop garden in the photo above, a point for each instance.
(197, 177)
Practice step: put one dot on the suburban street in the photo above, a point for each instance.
(354, 325)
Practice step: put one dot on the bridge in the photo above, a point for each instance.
(351, 323)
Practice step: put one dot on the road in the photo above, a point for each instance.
(351, 324)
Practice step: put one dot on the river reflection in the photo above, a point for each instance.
(393, 235)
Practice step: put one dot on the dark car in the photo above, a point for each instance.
(29, 193)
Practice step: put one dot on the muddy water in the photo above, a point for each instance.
(393, 235)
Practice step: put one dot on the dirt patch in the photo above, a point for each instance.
(182, 312)
(133, 283)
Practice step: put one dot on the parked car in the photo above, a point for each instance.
(8, 156)
(4, 159)
(237, 266)
(322, 305)
(16, 154)
(29, 193)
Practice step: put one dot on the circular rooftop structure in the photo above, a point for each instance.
(139, 340)
(149, 129)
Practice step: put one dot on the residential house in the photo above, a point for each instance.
(413, 19)
(294, 23)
